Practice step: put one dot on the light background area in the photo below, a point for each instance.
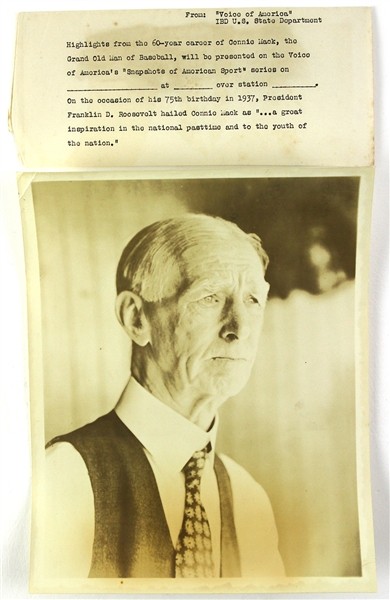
(15, 412)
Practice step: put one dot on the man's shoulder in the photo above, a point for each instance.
(255, 524)
(109, 450)
(62, 459)
(101, 426)
(242, 482)
(232, 466)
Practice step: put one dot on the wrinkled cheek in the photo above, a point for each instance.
(163, 347)
(199, 354)
(190, 356)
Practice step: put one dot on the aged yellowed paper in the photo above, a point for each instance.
(299, 427)
(194, 87)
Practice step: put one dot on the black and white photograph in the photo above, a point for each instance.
(201, 396)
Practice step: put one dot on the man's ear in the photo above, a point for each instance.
(130, 312)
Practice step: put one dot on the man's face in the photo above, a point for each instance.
(204, 338)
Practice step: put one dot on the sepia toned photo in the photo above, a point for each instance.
(199, 380)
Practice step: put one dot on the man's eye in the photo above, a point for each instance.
(209, 300)
(255, 301)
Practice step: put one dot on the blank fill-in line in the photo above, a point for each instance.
(295, 86)
(121, 90)
(192, 89)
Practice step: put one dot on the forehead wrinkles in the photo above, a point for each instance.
(219, 265)
(229, 255)
(216, 279)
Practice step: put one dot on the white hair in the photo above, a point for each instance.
(153, 257)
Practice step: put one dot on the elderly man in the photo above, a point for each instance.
(141, 492)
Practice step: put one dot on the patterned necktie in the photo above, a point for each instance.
(194, 556)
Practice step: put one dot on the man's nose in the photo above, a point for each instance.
(235, 322)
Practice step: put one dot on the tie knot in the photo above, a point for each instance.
(194, 468)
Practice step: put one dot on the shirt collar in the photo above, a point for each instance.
(169, 437)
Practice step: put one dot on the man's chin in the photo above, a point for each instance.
(229, 382)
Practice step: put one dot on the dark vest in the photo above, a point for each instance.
(132, 538)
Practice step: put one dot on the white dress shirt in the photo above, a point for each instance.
(169, 440)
